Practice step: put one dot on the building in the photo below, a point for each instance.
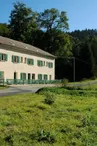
(24, 62)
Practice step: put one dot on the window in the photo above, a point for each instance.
(15, 59)
(40, 63)
(49, 64)
(21, 59)
(39, 76)
(3, 57)
(30, 61)
(45, 77)
(23, 76)
(25, 60)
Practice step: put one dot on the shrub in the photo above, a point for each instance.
(49, 98)
(46, 137)
(64, 82)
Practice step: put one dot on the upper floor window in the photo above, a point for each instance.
(3, 57)
(30, 61)
(40, 63)
(15, 59)
(49, 64)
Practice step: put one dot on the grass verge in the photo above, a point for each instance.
(3, 87)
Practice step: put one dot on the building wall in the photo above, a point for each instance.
(9, 67)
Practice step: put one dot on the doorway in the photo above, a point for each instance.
(33, 76)
(29, 77)
(15, 77)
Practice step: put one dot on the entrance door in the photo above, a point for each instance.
(33, 76)
(29, 77)
(15, 77)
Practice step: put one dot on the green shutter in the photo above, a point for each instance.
(39, 76)
(45, 77)
(48, 64)
(12, 58)
(0, 74)
(18, 59)
(6, 57)
(21, 76)
(32, 61)
(0, 56)
(38, 62)
(41, 63)
(28, 61)
(24, 76)
(52, 65)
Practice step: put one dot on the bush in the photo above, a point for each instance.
(64, 82)
(49, 98)
(46, 137)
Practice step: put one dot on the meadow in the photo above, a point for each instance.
(70, 120)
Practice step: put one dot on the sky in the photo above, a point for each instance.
(82, 14)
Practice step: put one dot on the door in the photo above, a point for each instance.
(33, 76)
(29, 77)
(15, 77)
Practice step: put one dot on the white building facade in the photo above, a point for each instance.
(25, 62)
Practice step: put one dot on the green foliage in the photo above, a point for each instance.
(46, 137)
(20, 18)
(65, 82)
(53, 19)
(4, 30)
(49, 98)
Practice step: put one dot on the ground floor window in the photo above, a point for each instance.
(39, 76)
(45, 77)
(23, 76)
(1, 74)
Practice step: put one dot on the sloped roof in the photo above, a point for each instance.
(11, 42)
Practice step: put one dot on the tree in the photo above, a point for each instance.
(4, 30)
(20, 17)
(53, 19)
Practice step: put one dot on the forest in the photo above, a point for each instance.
(49, 30)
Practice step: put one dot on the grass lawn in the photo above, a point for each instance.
(26, 120)
(3, 87)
